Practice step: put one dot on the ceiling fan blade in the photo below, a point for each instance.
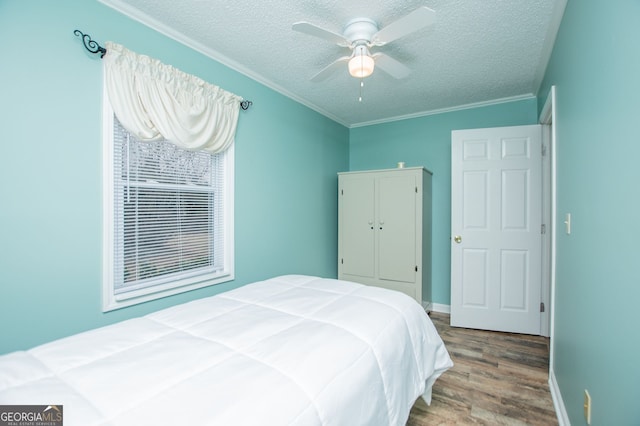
(326, 71)
(391, 66)
(419, 18)
(314, 30)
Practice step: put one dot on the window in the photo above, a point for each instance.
(167, 217)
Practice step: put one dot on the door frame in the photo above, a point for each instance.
(548, 121)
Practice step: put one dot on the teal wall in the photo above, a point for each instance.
(287, 157)
(426, 141)
(595, 66)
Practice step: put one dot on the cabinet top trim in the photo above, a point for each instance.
(386, 170)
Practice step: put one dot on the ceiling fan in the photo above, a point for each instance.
(360, 35)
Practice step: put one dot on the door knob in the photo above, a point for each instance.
(457, 239)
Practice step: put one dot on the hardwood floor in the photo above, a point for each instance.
(497, 379)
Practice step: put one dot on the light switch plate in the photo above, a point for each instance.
(567, 223)
(587, 406)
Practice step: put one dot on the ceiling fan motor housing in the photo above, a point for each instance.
(360, 31)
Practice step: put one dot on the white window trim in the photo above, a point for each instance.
(111, 301)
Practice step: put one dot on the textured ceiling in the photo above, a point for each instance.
(476, 52)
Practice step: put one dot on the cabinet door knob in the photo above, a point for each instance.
(457, 239)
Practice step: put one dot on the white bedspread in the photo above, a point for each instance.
(293, 350)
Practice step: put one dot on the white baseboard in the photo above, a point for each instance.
(558, 403)
(436, 307)
(439, 307)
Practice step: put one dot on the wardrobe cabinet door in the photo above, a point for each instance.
(396, 227)
(357, 227)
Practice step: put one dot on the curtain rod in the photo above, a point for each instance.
(93, 47)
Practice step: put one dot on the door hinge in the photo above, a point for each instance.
(342, 192)
(342, 261)
(416, 189)
(416, 268)
(543, 229)
(544, 150)
(541, 306)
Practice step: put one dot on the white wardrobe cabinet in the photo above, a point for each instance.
(384, 230)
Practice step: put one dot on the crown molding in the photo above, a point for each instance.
(446, 110)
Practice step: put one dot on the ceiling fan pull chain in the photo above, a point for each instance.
(361, 86)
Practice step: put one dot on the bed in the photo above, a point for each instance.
(292, 350)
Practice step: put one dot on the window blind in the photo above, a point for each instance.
(168, 212)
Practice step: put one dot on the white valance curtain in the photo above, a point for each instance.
(153, 100)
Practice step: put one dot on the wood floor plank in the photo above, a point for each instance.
(497, 379)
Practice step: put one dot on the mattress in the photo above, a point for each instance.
(292, 350)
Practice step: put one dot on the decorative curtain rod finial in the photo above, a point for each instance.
(89, 44)
(244, 104)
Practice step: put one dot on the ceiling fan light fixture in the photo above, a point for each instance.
(361, 64)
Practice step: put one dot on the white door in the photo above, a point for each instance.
(496, 229)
